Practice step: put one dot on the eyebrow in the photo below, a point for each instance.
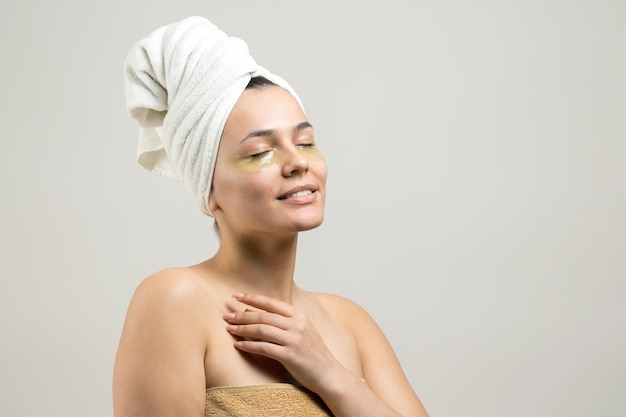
(272, 132)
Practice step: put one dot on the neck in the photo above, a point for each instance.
(263, 265)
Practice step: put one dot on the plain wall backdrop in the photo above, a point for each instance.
(476, 198)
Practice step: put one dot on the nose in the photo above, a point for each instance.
(294, 162)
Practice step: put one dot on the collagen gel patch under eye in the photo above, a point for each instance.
(255, 164)
(312, 153)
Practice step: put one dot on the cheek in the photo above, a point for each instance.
(236, 189)
(321, 171)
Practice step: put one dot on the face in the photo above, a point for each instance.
(269, 175)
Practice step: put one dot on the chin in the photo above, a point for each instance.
(305, 223)
(311, 226)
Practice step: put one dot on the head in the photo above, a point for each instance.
(181, 83)
(269, 176)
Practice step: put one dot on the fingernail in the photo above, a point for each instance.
(238, 295)
(229, 316)
(231, 327)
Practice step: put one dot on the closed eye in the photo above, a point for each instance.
(259, 154)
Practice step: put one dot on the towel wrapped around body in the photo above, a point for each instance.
(270, 400)
(182, 82)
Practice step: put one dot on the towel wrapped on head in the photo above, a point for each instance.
(182, 82)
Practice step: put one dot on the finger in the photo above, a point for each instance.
(257, 317)
(265, 303)
(258, 332)
(269, 350)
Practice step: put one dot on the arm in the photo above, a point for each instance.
(282, 333)
(381, 368)
(159, 367)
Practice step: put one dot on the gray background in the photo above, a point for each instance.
(476, 207)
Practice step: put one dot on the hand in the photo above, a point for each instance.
(276, 330)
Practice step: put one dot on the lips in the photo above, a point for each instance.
(298, 192)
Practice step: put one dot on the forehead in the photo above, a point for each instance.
(262, 109)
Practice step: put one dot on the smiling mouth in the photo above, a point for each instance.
(296, 194)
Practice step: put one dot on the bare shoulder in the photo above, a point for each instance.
(177, 287)
(347, 311)
(379, 365)
(355, 320)
(170, 297)
(174, 282)
(159, 366)
(170, 303)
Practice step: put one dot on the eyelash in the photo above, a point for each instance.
(262, 153)
(259, 154)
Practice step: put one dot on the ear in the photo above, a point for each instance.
(213, 205)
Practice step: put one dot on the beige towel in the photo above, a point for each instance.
(270, 400)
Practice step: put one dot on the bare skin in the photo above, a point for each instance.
(238, 319)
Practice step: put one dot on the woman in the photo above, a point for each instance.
(234, 335)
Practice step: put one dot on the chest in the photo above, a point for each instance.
(225, 365)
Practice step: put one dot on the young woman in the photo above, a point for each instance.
(234, 335)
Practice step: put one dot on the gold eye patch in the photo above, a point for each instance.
(255, 164)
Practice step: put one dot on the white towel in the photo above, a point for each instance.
(182, 81)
